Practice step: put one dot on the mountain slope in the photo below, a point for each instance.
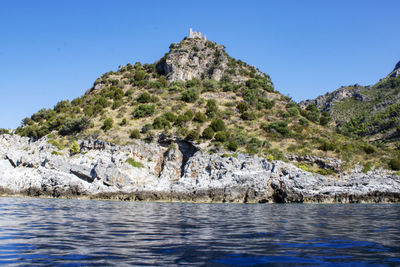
(372, 112)
(198, 93)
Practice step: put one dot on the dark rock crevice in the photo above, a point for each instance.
(188, 150)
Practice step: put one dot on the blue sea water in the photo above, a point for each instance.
(60, 232)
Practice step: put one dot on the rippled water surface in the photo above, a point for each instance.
(80, 232)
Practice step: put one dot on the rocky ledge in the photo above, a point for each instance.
(175, 170)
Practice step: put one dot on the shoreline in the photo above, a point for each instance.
(379, 198)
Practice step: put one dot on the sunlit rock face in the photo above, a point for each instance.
(179, 172)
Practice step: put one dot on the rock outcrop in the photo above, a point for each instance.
(177, 172)
(201, 59)
(396, 71)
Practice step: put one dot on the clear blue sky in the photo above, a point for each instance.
(54, 50)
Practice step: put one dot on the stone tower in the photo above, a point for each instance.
(195, 34)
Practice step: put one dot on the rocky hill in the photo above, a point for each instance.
(372, 112)
(197, 94)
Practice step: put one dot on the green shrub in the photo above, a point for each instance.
(367, 167)
(208, 133)
(248, 116)
(74, 126)
(265, 103)
(190, 95)
(161, 123)
(123, 122)
(279, 127)
(304, 122)
(210, 85)
(211, 108)
(4, 131)
(146, 128)
(134, 134)
(193, 83)
(144, 110)
(221, 136)
(188, 115)
(293, 111)
(200, 117)
(394, 164)
(253, 147)
(62, 106)
(242, 107)
(327, 146)
(117, 104)
(233, 145)
(102, 101)
(108, 124)
(134, 163)
(169, 116)
(193, 135)
(368, 149)
(324, 120)
(163, 81)
(218, 125)
(140, 75)
(74, 148)
(144, 98)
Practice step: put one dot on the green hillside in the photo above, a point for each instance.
(197, 92)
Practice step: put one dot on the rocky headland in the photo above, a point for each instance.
(176, 170)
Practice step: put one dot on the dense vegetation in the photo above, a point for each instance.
(138, 102)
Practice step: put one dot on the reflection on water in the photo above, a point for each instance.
(80, 232)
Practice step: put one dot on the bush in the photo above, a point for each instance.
(144, 98)
(324, 120)
(108, 124)
(193, 135)
(144, 110)
(102, 101)
(233, 145)
(211, 108)
(221, 136)
(208, 133)
(134, 163)
(248, 116)
(394, 164)
(293, 111)
(62, 106)
(123, 122)
(161, 123)
(264, 102)
(368, 149)
(74, 148)
(117, 104)
(74, 126)
(188, 115)
(279, 127)
(304, 122)
(140, 75)
(242, 107)
(4, 131)
(253, 147)
(327, 146)
(218, 125)
(146, 128)
(210, 85)
(193, 83)
(134, 134)
(190, 95)
(200, 117)
(169, 116)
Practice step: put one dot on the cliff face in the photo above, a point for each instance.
(179, 172)
(201, 59)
